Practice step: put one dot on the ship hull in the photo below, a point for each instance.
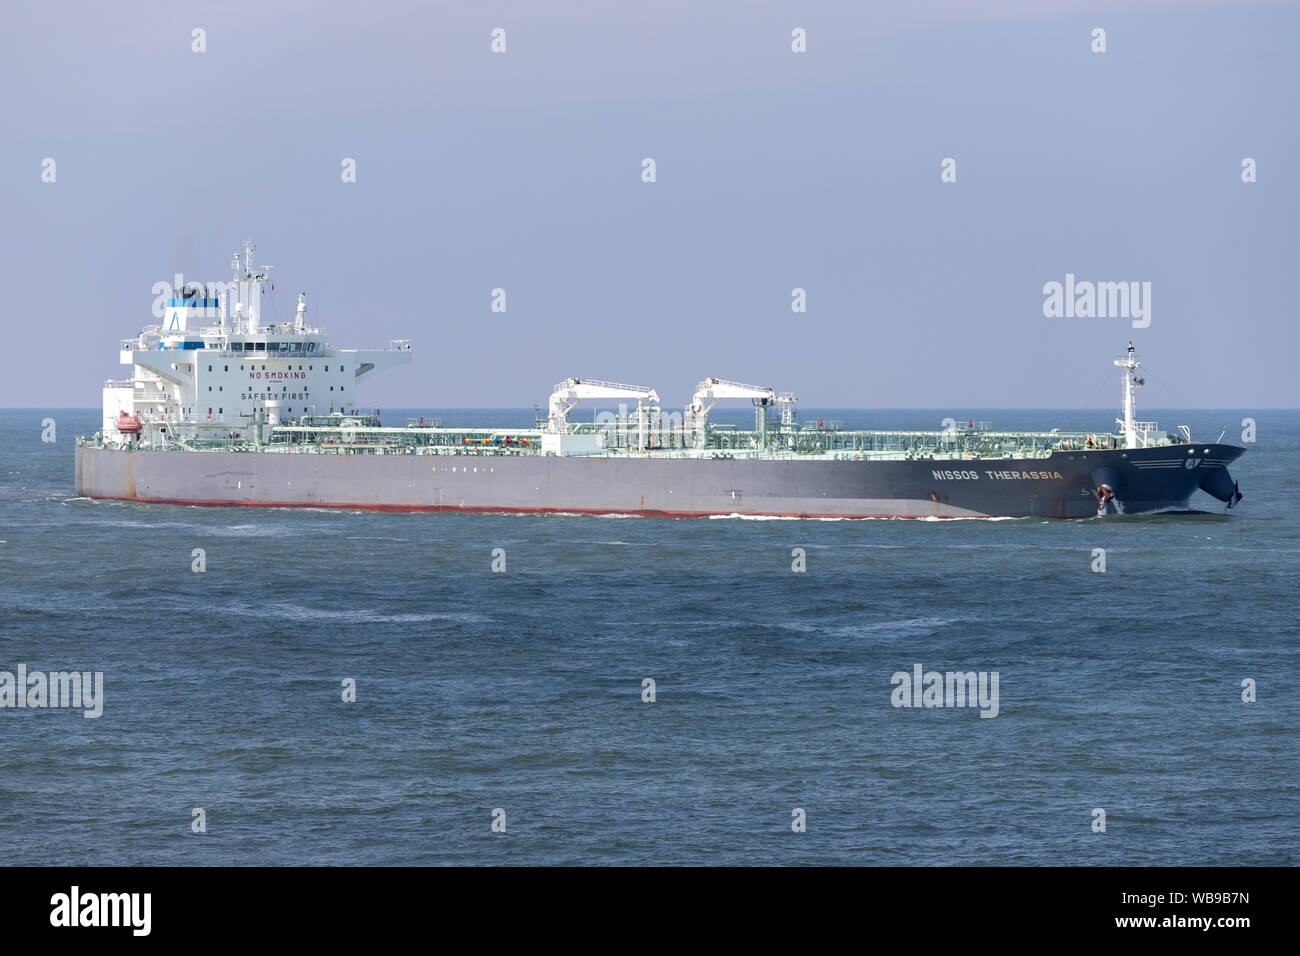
(1062, 485)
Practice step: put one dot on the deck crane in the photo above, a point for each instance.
(573, 390)
(712, 389)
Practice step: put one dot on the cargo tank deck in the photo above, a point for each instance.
(364, 435)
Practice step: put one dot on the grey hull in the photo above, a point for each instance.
(1059, 486)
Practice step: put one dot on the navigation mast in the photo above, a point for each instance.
(250, 281)
(1130, 385)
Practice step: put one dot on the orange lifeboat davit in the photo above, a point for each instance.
(128, 424)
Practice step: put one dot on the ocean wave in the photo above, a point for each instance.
(248, 531)
(850, 630)
(297, 612)
(736, 516)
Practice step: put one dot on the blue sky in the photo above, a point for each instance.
(775, 170)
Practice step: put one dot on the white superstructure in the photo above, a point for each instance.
(191, 378)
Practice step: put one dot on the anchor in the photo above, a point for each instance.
(1107, 481)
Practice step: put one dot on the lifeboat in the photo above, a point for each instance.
(128, 424)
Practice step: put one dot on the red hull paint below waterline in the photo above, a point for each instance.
(502, 510)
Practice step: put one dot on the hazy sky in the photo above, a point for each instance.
(775, 170)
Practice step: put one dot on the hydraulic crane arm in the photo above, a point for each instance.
(573, 390)
(712, 389)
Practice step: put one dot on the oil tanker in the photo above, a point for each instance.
(288, 433)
